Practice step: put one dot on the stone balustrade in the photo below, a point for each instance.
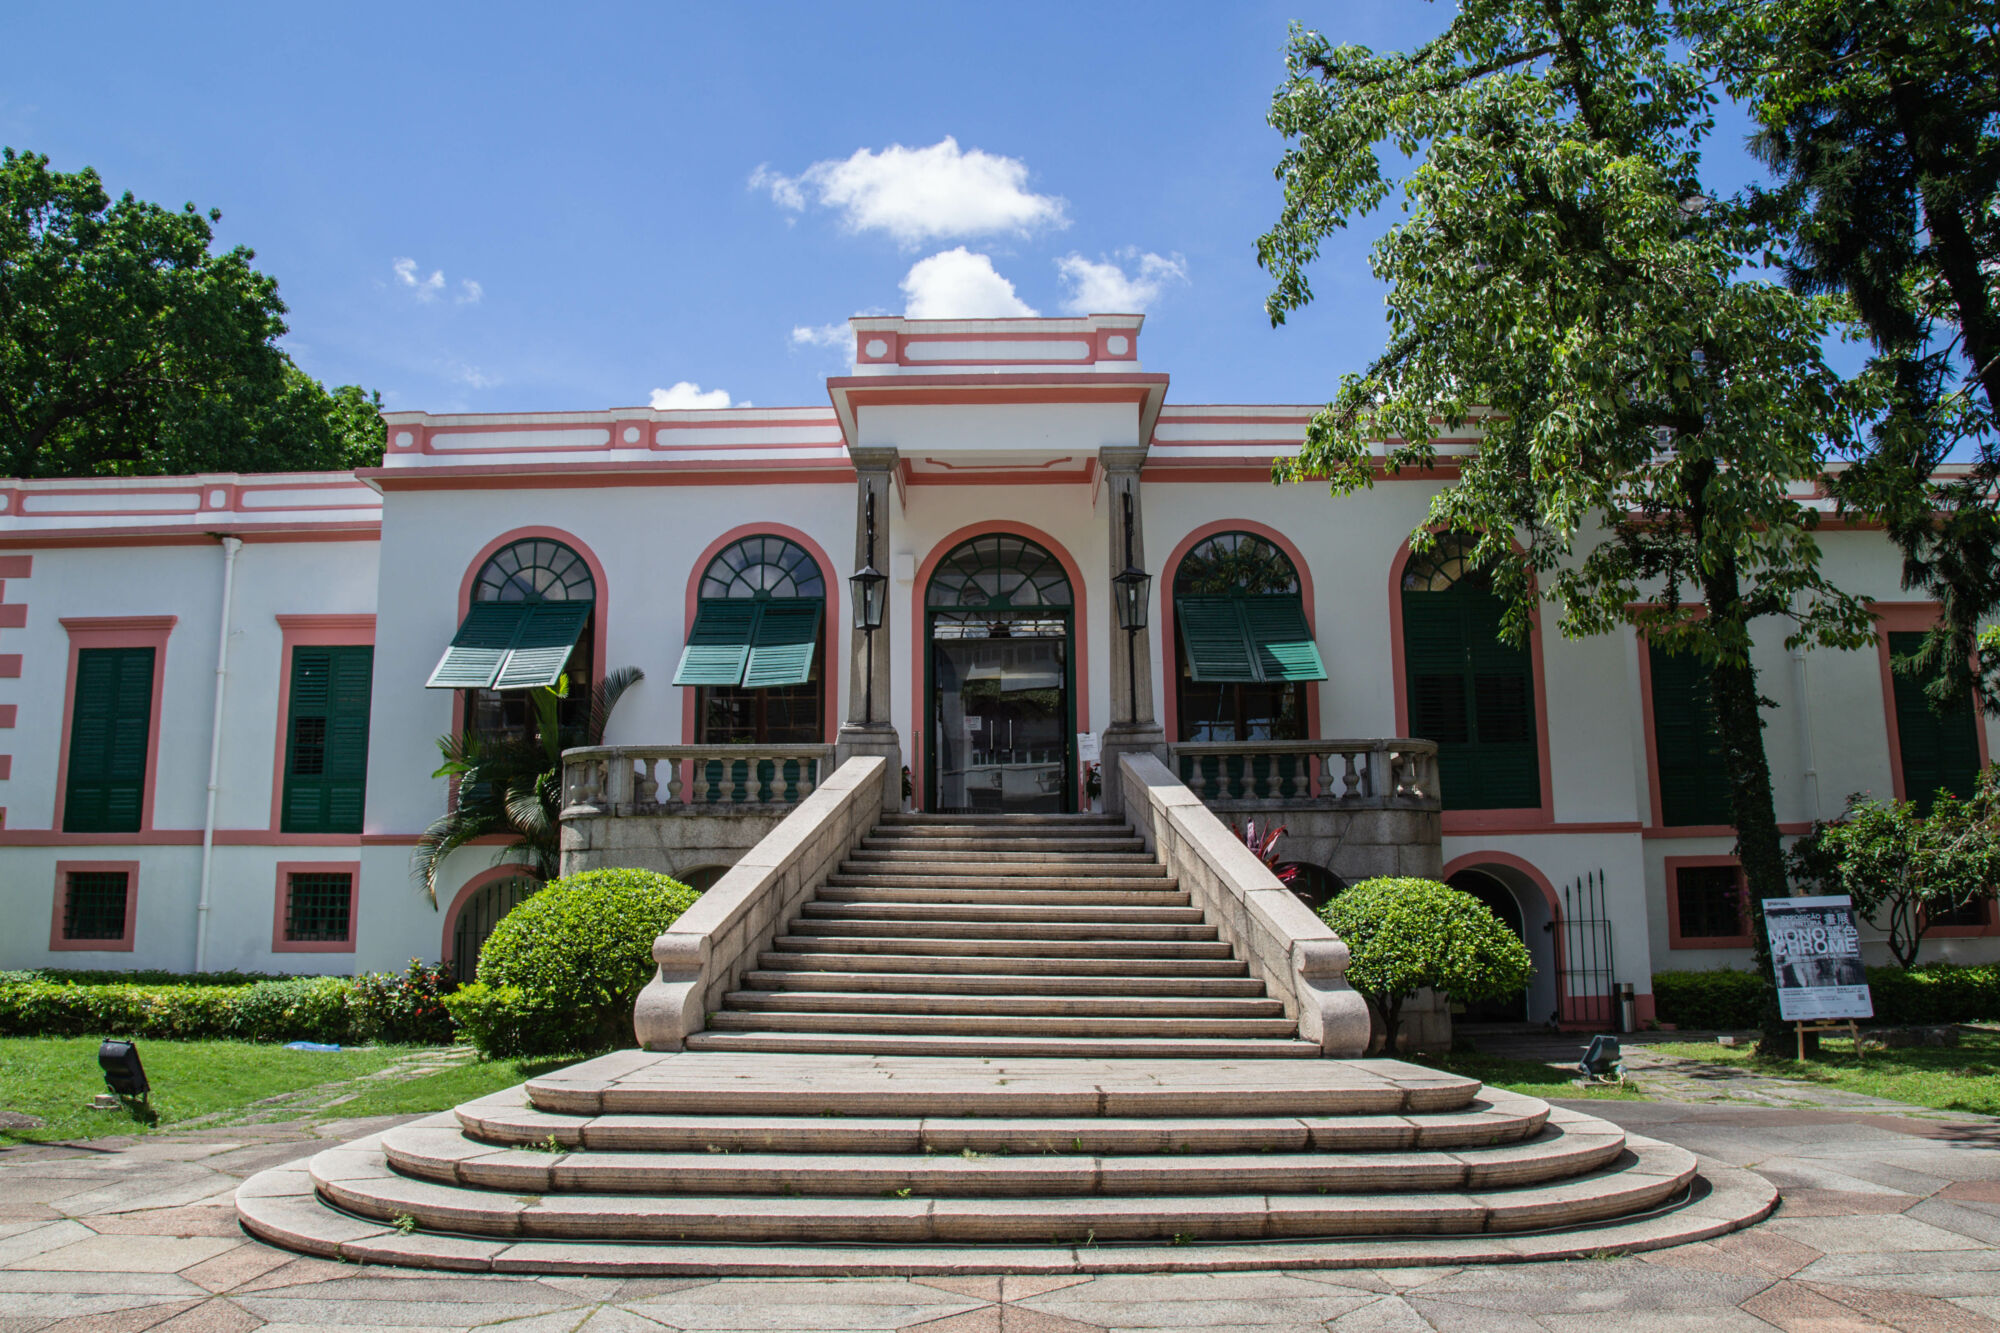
(618, 780)
(1393, 774)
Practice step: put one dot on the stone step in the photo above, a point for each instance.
(929, 851)
(910, 925)
(1040, 847)
(820, 956)
(915, 945)
(1040, 867)
(896, 1043)
(1013, 1004)
(1114, 897)
(1008, 839)
(505, 1119)
(357, 1178)
(971, 1019)
(910, 983)
(905, 819)
(997, 878)
(1114, 915)
(436, 1149)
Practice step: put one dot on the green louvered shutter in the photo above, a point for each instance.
(1217, 649)
(1277, 630)
(109, 729)
(718, 646)
(542, 645)
(479, 649)
(1937, 750)
(326, 740)
(1503, 708)
(781, 648)
(1694, 785)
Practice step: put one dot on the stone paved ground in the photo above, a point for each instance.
(1888, 1221)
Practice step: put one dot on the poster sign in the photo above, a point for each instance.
(1816, 953)
(1086, 747)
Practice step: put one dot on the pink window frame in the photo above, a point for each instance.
(1676, 940)
(832, 707)
(64, 869)
(114, 632)
(313, 631)
(286, 869)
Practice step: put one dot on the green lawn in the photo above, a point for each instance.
(1965, 1077)
(1529, 1077)
(444, 1089)
(54, 1078)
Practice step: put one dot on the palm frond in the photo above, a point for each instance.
(605, 697)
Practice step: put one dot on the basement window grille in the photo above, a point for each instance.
(94, 906)
(317, 908)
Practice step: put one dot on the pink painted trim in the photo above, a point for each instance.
(1080, 635)
(599, 616)
(1789, 829)
(179, 535)
(16, 566)
(999, 478)
(10, 666)
(829, 623)
(13, 615)
(1476, 821)
(114, 632)
(282, 899)
(256, 837)
(7, 713)
(1898, 618)
(465, 892)
(1170, 673)
(648, 472)
(64, 869)
(1676, 940)
(307, 631)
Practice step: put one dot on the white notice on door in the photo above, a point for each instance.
(1086, 747)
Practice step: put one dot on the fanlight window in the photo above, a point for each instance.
(998, 573)
(768, 566)
(535, 570)
(1445, 566)
(1235, 562)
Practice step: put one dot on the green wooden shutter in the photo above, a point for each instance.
(1694, 785)
(718, 646)
(326, 740)
(1212, 631)
(781, 648)
(542, 645)
(110, 725)
(1277, 630)
(1473, 694)
(479, 649)
(1937, 750)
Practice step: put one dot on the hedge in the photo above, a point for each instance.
(375, 1007)
(1931, 993)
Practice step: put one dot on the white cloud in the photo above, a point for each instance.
(837, 336)
(1107, 289)
(472, 376)
(955, 284)
(469, 292)
(918, 194)
(687, 395)
(427, 288)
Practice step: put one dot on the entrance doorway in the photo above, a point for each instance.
(1500, 900)
(999, 625)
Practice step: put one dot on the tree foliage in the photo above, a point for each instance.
(1652, 414)
(1904, 868)
(128, 346)
(1407, 935)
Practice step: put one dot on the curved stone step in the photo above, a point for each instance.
(986, 930)
(821, 955)
(973, 983)
(1099, 949)
(1011, 1004)
(925, 819)
(1063, 867)
(899, 854)
(1034, 912)
(997, 877)
(437, 1150)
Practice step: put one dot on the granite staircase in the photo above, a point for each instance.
(993, 1044)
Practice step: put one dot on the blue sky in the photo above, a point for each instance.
(503, 207)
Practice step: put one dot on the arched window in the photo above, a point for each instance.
(754, 654)
(531, 624)
(1244, 655)
(1468, 689)
(998, 572)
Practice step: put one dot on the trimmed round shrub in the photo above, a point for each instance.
(1408, 935)
(560, 971)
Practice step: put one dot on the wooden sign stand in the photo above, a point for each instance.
(1828, 1025)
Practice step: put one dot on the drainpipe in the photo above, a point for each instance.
(230, 546)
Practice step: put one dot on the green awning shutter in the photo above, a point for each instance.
(781, 649)
(110, 725)
(542, 645)
(1938, 751)
(1277, 630)
(326, 739)
(718, 646)
(1217, 648)
(479, 649)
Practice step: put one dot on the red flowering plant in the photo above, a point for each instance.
(1266, 850)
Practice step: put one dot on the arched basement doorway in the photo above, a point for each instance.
(478, 909)
(1000, 679)
(1516, 896)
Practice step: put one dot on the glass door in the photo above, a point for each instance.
(1000, 713)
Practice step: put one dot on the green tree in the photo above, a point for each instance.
(511, 785)
(128, 347)
(1904, 868)
(1407, 935)
(1650, 411)
(1881, 119)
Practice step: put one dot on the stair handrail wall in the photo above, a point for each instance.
(705, 953)
(1301, 961)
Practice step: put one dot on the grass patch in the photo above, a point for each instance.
(1531, 1078)
(1965, 1077)
(440, 1091)
(54, 1078)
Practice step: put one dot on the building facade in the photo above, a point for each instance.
(220, 695)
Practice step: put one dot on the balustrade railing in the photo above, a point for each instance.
(688, 779)
(1400, 773)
